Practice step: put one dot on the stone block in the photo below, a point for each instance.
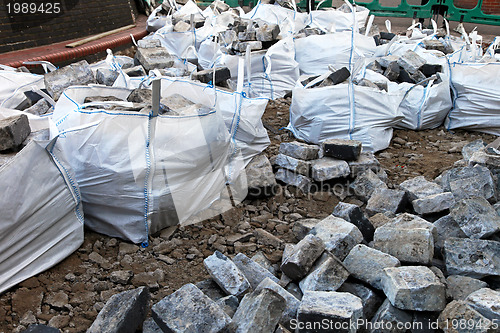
(411, 61)
(470, 182)
(267, 32)
(260, 177)
(76, 74)
(106, 76)
(338, 309)
(353, 214)
(302, 227)
(328, 274)
(298, 263)
(458, 287)
(386, 200)
(135, 71)
(301, 182)
(419, 187)
(459, 312)
(328, 168)
(371, 300)
(226, 274)
(258, 312)
(207, 75)
(254, 272)
(446, 227)
(414, 288)
(472, 257)
(154, 58)
(293, 164)
(476, 217)
(123, 312)
(367, 264)
(408, 245)
(486, 301)
(434, 203)
(299, 150)
(13, 131)
(338, 235)
(229, 304)
(392, 71)
(365, 184)
(364, 162)
(189, 310)
(469, 149)
(346, 150)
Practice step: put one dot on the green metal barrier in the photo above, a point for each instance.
(446, 8)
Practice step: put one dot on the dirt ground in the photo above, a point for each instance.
(70, 295)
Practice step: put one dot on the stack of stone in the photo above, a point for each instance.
(300, 164)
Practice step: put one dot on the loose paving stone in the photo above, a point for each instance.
(472, 257)
(346, 150)
(476, 217)
(267, 32)
(434, 203)
(327, 274)
(365, 184)
(446, 228)
(301, 228)
(154, 58)
(338, 235)
(39, 108)
(292, 303)
(387, 318)
(371, 300)
(262, 260)
(254, 272)
(411, 61)
(486, 301)
(364, 162)
(458, 287)
(408, 245)
(106, 76)
(367, 264)
(353, 214)
(260, 177)
(386, 200)
(13, 131)
(414, 288)
(469, 182)
(299, 150)
(338, 309)
(328, 168)
(76, 74)
(301, 259)
(460, 317)
(293, 164)
(226, 274)
(207, 75)
(148, 43)
(410, 221)
(229, 304)
(301, 182)
(189, 310)
(258, 312)
(123, 312)
(419, 187)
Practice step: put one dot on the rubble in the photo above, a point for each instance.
(299, 181)
(390, 316)
(189, 308)
(460, 311)
(414, 288)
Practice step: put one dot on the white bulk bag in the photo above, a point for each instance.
(476, 104)
(41, 221)
(345, 111)
(342, 49)
(139, 173)
(14, 84)
(331, 20)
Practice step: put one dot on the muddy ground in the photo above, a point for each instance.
(70, 295)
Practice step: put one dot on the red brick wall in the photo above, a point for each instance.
(78, 18)
(488, 7)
